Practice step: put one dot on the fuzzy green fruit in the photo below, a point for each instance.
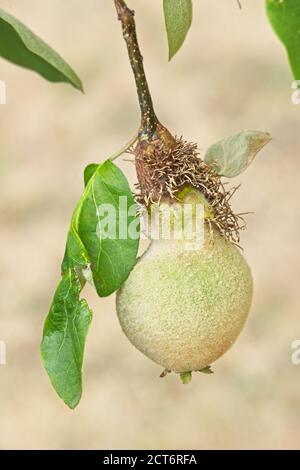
(184, 308)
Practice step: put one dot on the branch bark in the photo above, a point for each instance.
(149, 120)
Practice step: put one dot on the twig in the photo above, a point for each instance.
(149, 119)
(125, 148)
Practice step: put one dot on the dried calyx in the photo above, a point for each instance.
(166, 164)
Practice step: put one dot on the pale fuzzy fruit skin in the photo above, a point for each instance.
(184, 309)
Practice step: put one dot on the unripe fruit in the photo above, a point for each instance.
(184, 308)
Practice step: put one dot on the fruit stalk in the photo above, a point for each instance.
(149, 120)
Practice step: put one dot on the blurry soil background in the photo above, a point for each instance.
(231, 74)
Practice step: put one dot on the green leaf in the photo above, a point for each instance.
(107, 235)
(67, 323)
(22, 47)
(64, 338)
(231, 156)
(284, 16)
(178, 19)
(105, 263)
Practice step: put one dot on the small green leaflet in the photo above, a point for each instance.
(178, 19)
(104, 261)
(22, 47)
(284, 16)
(231, 156)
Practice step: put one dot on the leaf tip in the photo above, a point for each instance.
(81, 87)
(72, 405)
(77, 83)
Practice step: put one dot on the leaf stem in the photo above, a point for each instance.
(125, 147)
(149, 119)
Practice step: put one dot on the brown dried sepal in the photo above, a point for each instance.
(166, 165)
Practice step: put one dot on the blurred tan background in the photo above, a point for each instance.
(231, 74)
